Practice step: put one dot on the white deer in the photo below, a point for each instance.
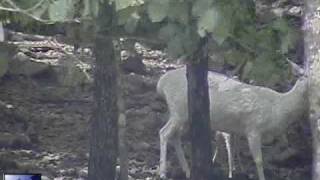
(227, 141)
(235, 107)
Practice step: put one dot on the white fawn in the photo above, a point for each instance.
(235, 107)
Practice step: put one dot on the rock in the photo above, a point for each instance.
(65, 71)
(21, 141)
(7, 163)
(137, 126)
(83, 172)
(44, 178)
(61, 178)
(133, 171)
(8, 140)
(135, 84)
(71, 72)
(68, 172)
(140, 146)
(21, 64)
(295, 11)
(133, 64)
(51, 158)
(6, 52)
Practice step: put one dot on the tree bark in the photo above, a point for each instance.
(312, 56)
(104, 122)
(122, 122)
(123, 151)
(199, 116)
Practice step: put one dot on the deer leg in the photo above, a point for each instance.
(181, 156)
(165, 134)
(217, 134)
(215, 155)
(254, 141)
(227, 138)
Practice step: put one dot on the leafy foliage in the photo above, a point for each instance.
(158, 10)
(61, 10)
(261, 50)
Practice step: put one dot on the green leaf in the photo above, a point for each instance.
(184, 42)
(280, 25)
(200, 6)
(218, 22)
(169, 31)
(225, 26)
(235, 57)
(246, 37)
(219, 39)
(25, 4)
(125, 14)
(244, 11)
(288, 35)
(61, 10)
(175, 46)
(122, 4)
(91, 8)
(38, 12)
(246, 70)
(158, 10)
(178, 11)
(132, 22)
(267, 41)
(190, 41)
(289, 41)
(208, 21)
(266, 71)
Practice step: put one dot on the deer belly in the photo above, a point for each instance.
(228, 118)
(228, 122)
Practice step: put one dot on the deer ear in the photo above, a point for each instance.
(296, 69)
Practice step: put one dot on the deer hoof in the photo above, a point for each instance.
(163, 176)
(188, 174)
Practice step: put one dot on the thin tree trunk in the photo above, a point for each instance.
(104, 122)
(312, 45)
(123, 151)
(198, 107)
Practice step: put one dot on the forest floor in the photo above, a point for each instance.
(60, 129)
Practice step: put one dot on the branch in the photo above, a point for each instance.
(16, 9)
(37, 5)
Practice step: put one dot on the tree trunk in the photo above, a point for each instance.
(122, 122)
(104, 122)
(123, 151)
(199, 116)
(312, 45)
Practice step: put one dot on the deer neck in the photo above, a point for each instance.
(293, 104)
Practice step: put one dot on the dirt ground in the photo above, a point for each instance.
(44, 132)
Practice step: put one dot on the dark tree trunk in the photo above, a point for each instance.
(199, 116)
(312, 54)
(123, 144)
(104, 123)
(123, 151)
